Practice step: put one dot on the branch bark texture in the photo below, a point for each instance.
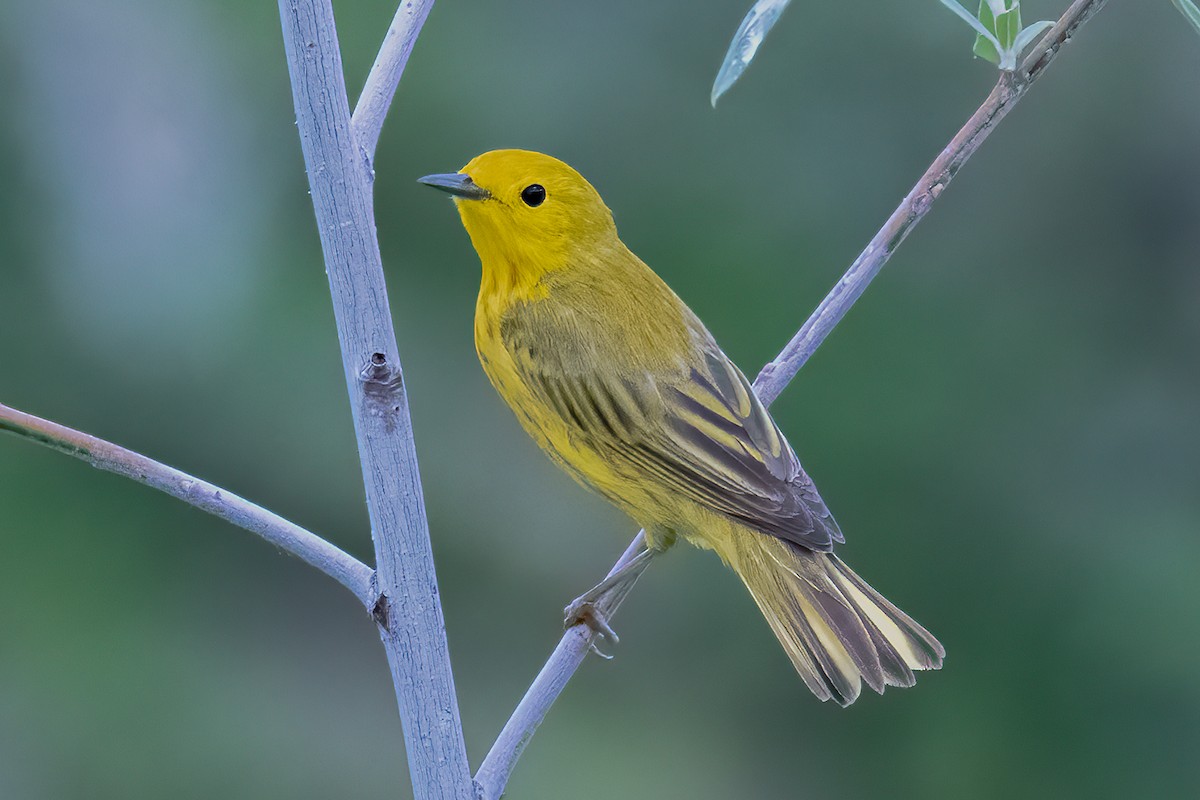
(773, 379)
(367, 121)
(408, 611)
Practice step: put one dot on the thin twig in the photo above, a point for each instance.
(776, 375)
(575, 643)
(380, 88)
(572, 649)
(408, 612)
(305, 545)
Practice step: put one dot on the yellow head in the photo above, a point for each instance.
(527, 214)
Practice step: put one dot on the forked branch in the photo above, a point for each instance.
(409, 613)
(380, 88)
(402, 594)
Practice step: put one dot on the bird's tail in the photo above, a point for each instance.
(837, 630)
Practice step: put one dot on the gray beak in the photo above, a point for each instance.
(457, 184)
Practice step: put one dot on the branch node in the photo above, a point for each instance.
(380, 377)
(376, 367)
(379, 611)
(383, 389)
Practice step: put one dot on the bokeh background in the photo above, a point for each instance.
(1007, 426)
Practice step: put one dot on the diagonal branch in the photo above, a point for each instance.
(377, 93)
(410, 619)
(575, 643)
(776, 375)
(572, 649)
(305, 545)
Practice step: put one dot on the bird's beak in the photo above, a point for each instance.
(457, 184)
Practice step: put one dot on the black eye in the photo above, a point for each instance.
(533, 195)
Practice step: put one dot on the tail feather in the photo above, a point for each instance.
(919, 648)
(837, 630)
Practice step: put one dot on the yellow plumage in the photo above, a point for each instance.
(620, 383)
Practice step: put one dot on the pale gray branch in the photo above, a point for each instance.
(408, 611)
(380, 88)
(775, 376)
(572, 649)
(305, 545)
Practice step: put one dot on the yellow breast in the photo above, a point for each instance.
(540, 420)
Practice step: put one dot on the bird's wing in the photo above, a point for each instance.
(718, 430)
(702, 433)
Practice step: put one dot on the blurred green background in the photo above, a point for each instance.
(1007, 427)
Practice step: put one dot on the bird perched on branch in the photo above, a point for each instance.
(625, 389)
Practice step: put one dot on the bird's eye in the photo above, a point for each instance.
(534, 195)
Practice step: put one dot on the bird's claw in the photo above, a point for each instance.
(586, 612)
(606, 656)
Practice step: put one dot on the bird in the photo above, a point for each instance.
(623, 386)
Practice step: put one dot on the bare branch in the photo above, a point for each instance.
(377, 93)
(572, 649)
(305, 545)
(409, 614)
(775, 376)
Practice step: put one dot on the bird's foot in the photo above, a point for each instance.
(584, 611)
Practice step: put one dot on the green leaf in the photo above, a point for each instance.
(1002, 18)
(1190, 12)
(750, 34)
(971, 20)
(984, 48)
(1026, 37)
(1008, 25)
(998, 34)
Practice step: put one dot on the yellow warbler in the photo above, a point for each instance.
(620, 383)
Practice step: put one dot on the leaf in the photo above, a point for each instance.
(1190, 12)
(984, 48)
(1026, 37)
(750, 34)
(1008, 25)
(970, 19)
(999, 37)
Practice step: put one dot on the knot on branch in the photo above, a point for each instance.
(380, 610)
(383, 386)
(378, 371)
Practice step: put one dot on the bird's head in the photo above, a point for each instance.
(527, 212)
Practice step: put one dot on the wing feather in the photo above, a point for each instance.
(698, 431)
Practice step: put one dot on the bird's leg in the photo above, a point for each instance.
(584, 608)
